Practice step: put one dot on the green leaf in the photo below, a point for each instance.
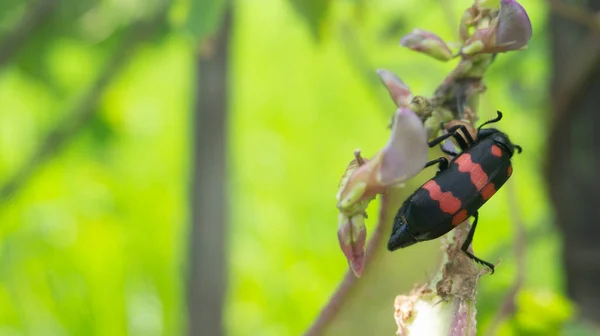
(204, 17)
(313, 12)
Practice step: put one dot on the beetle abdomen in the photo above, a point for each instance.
(458, 192)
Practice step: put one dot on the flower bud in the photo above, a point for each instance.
(399, 92)
(352, 235)
(427, 43)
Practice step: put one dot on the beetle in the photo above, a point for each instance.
(459, 188)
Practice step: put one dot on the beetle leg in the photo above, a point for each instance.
(439, 139)
(442, 163)
(466, 136)
(464, 141)
(468, 241)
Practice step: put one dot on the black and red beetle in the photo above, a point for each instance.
(458, 190)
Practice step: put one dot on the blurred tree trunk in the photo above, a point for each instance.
(574, 148)
(33, 17)
(207, 275)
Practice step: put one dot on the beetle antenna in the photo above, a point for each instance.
(498, 118)
(518, 148)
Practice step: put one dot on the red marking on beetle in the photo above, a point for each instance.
(496, 151)
(478, 177)
(459, 217)
(509, 172)
(448, 203)
(488, 191)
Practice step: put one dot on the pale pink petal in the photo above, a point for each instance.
(399, 91)
(405, 154)
(514, 27)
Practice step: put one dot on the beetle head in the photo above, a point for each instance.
(400, 237)
(500, 138)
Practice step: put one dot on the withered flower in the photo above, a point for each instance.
(403, 157)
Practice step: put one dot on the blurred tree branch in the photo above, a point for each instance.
(572, 159)
(583, 54)
(60, 135)
(32, 18)
(576, 14)
(207, 248)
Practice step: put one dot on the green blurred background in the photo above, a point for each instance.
(97, 103)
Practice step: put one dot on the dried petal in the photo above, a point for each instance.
(427, 43)
(405, 154)
(352, 235)
(399, 91)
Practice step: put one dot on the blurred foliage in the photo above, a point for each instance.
(314, 12)
(94, 244)
(204, 17)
